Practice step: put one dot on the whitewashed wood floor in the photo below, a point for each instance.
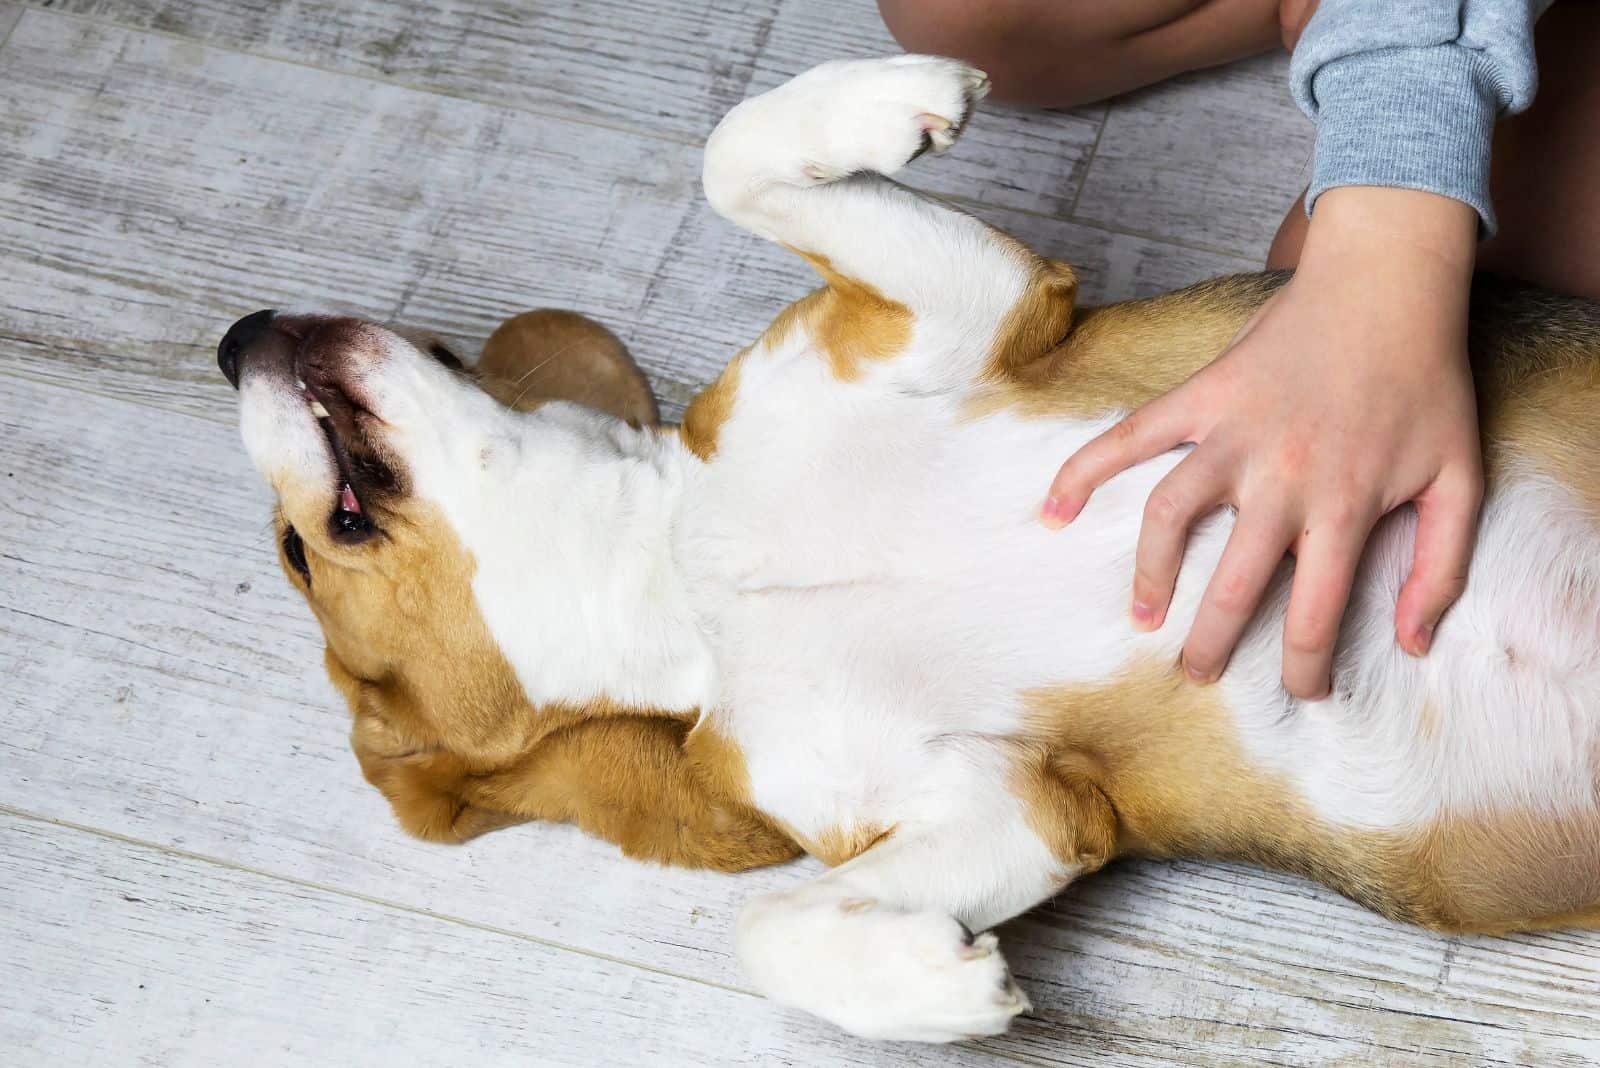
(192, 872)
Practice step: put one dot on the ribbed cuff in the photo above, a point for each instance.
(1412, 118)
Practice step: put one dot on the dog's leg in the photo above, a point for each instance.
(883, 945)
(423, 784)
(804, 165)
(632, 781)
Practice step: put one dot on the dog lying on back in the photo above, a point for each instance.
(822, 614)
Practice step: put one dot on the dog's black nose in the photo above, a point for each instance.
(236, 342)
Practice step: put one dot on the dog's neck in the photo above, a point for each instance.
(570, 517)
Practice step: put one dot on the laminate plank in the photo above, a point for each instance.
(1213, 158)
(153, 190)
(120, 953)
(657, 67)
(166, 685)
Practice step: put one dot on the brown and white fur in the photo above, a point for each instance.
(823, 611)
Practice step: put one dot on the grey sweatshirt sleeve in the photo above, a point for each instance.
(1406, 92)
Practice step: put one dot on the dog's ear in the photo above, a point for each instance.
(551, 354)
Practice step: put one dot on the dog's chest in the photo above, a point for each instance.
(881, 595)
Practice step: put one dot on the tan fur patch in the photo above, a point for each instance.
(1163, 754)
(711, 407)
(835, 845)
(849, 321)
(1064, 805)
(637, 781)
(1116, 357)
(1549, 421)
(1037, 323)
(443, 728)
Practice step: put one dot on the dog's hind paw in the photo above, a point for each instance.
(847, 117)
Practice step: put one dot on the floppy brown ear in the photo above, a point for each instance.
(552, 354)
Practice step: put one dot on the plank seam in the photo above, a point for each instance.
(1088, 163)
(8, 25)
(355, 895)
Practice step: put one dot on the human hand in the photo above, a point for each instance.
(1347, 396)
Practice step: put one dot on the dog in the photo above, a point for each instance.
(822, 613)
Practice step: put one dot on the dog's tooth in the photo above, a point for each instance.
(300, 384)
(318, 410)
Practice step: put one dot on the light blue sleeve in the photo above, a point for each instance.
(1406, 92)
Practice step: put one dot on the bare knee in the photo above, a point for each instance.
(1002, 37)
(1059, 53)
(948, 27)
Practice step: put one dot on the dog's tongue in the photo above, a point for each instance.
(347, 500)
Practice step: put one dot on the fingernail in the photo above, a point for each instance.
(1056, 511)
(1143, 614)
(1195, 674)
(1424, 639)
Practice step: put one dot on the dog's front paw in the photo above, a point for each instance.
(880, 972)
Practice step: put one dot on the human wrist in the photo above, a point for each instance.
(1385, 230)
(1405, 117)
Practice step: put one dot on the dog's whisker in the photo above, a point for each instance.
(531, 372)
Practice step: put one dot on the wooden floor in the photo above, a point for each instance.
(191, 871)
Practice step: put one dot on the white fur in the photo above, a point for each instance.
(857, 588)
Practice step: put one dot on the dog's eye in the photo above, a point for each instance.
(294, 550)
(444, 356)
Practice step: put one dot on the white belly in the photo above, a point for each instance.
(882, 593)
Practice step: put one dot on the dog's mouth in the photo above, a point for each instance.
(332, 368)
(349, 518)
(347, 426)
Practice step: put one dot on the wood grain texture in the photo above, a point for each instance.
(146, 957)
(167, 687)
(671, 68)
(1217, 157)
(152, 190)
(660, 68)
(454, 164)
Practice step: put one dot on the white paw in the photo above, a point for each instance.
(854, 115)
(879, 972)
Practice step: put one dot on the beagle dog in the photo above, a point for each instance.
(822, 614)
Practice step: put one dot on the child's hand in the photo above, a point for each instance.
(1349, 395)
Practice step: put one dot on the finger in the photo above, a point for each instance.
(1447, 522)
(1188, 491)
(1325, 568)
(1148, 432)
(1254, 550)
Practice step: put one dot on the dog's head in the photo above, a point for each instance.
(365, 434)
